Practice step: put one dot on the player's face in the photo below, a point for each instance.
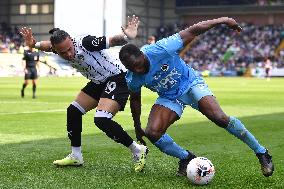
(138, 65)
(65, 49)
(151, 40)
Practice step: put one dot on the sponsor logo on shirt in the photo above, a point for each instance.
(167, 82)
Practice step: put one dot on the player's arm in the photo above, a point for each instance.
(24, 65)
(37, 62)
(135, 106)
(31, 41)
(190, 33)
(129, 32)
(134, 85)
(93, 43)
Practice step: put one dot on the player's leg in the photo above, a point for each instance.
(267, 74)
(106, 109)
(82, 104)
(26, 82)
(208, 105)
(34, 77)
(114, 99)
(162, 115)
(34, 81)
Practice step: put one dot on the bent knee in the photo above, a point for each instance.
(221, 119)
(153, 134)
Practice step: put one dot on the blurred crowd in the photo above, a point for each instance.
(10, 39)
(221, 49)
(182, 3)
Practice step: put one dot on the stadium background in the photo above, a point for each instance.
(262, 21)
(45, 14)
(32, 131)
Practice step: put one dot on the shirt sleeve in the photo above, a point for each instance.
(133, 83)
(25, 52)
(37, 56)
(93, 43)
(171, 44)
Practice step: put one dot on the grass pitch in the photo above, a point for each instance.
(33, 134)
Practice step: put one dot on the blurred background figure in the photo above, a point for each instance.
(30, 64)
(267, 67)
(151, 39)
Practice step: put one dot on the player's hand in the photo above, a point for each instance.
(28, 36)
(131, 28)
(231, 23)
(139, 135)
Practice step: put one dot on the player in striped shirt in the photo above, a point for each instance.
(107, 90)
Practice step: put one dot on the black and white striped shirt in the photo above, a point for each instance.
(94, 60)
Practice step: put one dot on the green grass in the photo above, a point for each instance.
(32, 135)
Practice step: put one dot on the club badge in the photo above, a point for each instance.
(165, 67)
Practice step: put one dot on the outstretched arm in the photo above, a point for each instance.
(135, 106)
(130, 32)
(190, 33)
(31, 41)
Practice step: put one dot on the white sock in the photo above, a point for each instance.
(77, 151)
(135, 148)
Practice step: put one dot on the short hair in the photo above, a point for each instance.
(152, 37)
(129, 52)
(57, 36)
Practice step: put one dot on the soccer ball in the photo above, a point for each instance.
(200, 171)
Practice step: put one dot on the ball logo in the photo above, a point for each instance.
(202, 171)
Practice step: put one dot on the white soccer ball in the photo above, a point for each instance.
(200, 171)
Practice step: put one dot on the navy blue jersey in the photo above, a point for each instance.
(31, 58)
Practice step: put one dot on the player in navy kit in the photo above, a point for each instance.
(159, 68)
(107, 91)
(30, 61)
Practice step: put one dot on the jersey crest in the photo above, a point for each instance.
(165, 67)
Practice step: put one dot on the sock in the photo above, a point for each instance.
(77, 151)
(24, 86)
(74, 124)
(113, 130)
(135, 148)
(236, 128)
(167, 145)
(34, 90)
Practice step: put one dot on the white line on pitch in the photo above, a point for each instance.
(54, 110)
(29, 102)
(33, 112)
